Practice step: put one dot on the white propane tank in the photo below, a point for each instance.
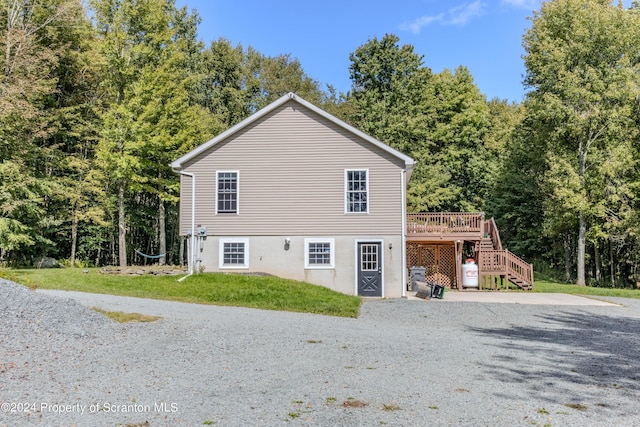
(469, 274)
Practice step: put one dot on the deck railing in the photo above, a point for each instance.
(445, 222)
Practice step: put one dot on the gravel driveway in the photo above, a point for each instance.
(400, 363)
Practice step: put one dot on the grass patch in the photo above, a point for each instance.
(263, 292)
(390, 408)
(121, 317)
(549, 286)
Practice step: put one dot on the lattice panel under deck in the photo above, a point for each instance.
(443, 269)
(438, 260)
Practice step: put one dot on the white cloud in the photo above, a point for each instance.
(525, 4)
(459, 15)
(417, 24)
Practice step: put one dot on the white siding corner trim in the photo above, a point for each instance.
(403, 249)
(315, 253)
(233, 253)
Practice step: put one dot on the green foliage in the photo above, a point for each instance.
(38, 57)
(441, 120)
(583, 73)
(459, 128)
(516, 202)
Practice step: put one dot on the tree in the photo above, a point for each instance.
(440, 120)
(36, 53)
(387, 101)
(166, 127)
(148, 48)
(221, 84)
(268, 78)
(582, 69)
(516, 201)
(458, 127)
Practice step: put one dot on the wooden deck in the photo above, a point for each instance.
(445, 226)
(435, 241)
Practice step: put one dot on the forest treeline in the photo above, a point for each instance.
(97, 98)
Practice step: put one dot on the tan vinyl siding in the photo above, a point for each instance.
(291, 167)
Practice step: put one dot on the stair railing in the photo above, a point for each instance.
(519, 268)
(491, 230)
(504, 262)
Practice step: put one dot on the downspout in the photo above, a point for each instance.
(403, 179)
(193, 224)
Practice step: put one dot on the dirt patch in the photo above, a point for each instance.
(155, 270)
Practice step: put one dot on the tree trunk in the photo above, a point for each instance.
(582, 222)
(612, 266)
(582, 232)
(162, 232)
(74, 238)
(122, 231)
(596, 250)
(567, 259)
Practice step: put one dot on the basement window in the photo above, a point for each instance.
(319, 253)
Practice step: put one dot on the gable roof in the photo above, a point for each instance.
(179, 163)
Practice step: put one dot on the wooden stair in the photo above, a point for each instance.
(498, 267)
(487, 245)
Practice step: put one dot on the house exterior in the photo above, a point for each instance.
(295, 192)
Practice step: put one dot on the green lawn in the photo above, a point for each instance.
(549, 286)
(264, 292)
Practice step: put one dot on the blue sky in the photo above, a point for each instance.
(483, 35)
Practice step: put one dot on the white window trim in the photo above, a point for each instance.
(221, 263)
(332, 248)
(346, 184)
(237, 212)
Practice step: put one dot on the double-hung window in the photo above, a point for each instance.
(234, 253)
(227, 192)
(319, 253)
(356, 191)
